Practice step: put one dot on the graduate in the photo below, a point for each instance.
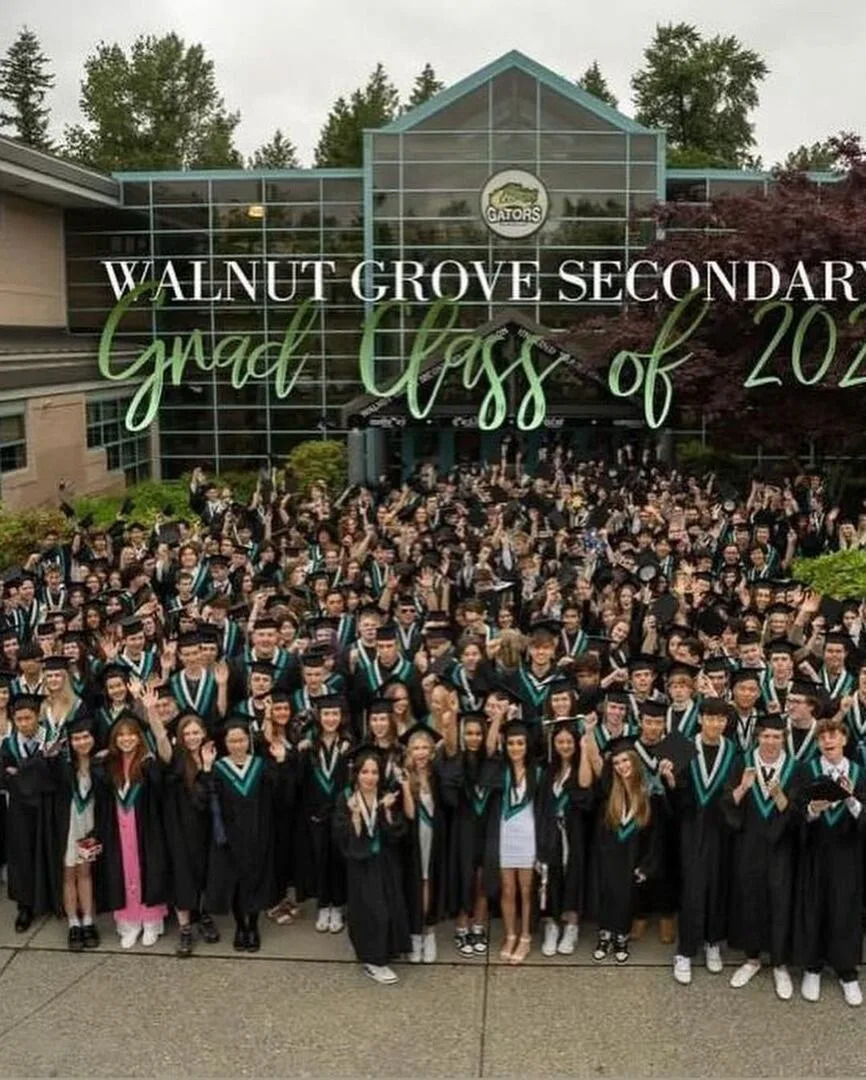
(188, 821)
(460, 770)
(78, 783)
(61, 704)
(803, 705)
(829, 894)
(624, 852)
(29, 843)
(705, 837)
(383, 736)
(562, 850)
(322, 774)
(759, 802)
(368, 829)
(242, 788)
(276, 728)
(512, 834)
(132, 872)
(425, 859)
(659, 895)
(744, 716)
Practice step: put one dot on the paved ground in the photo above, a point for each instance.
(302, 1008)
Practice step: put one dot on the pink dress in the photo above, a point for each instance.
(135, 911)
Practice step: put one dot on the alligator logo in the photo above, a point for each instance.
(514, 203)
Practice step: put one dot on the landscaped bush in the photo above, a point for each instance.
(840, 575)
(318, 461)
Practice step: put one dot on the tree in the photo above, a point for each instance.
(341, 142)
(593, 82)
(702, 92)
(279, 153)
(158, 107)
(795, 222)
(426, 85)
(821, 156)
(24, 82)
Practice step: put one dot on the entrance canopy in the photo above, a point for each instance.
(572, 394)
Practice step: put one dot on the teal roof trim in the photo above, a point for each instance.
(743, 174)
(515, 59)
(241, 174)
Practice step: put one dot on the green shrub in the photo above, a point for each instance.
(151, 496)
(21, 532)
(318, 461)
(840, 575)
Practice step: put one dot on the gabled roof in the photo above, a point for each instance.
(516, 60)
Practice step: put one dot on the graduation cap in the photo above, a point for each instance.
(804, 687)
(86, 521)
(838, 637)
(680, 668)
(616, 697)
(239, 611)
(772, 721)
(265, 623)
(831, 609)
(56, 663)
(133, 525)
(114, 671)
(420, 728)
(677, 749)
(188, 640)
(313, 658)
(710, 622)
(655, 709)
(715, 664)
(823, 788)
(780, 646)
(621, 745)
(20, 702)
(641, 662)
(130, 626)
(67, 511)
(45, 629)
(714, 706)
(515, 727)
(262, 667)
(81, 723)
(323, 622)
(329, 701)
(742, 675)
(664, 608)
(546, 626)
(380, 705)
(386, 633)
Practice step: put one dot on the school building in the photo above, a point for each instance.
(512, 162)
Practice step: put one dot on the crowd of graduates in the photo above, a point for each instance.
(589, 692)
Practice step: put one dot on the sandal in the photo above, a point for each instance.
(522, 951)
(508, 947)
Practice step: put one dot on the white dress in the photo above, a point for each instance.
(516, 828)
(81, 821)
(425, 833)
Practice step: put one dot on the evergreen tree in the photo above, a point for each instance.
(279, 153)
(341, 142)
(593, 82)
(426, 85)
(24, 82)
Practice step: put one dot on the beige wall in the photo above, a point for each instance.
(32, 271)
(57, 449)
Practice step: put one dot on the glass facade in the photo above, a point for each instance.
(419, 198)
(13, 442)
(124, 449)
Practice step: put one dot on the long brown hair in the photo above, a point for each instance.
(190, 767)
(626, 795)
(115, 756)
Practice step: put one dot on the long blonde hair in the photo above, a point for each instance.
(65, 700)
(627, 795)
(409, 761)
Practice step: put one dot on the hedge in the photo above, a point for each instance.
(840, 575)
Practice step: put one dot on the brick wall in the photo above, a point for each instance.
(32, 269)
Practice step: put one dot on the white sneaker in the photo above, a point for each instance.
(129, 936)
(428, 947)
(551, 937)
(810, 987)
(713, 955)
(380, 974)
(151, 934)
(417, 949)
(744, 974)
(335, 923)
(568, 941)
(323, 920)
(683, 970)
(851, 992)
(783, 984)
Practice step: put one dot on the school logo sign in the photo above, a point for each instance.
(514, 203)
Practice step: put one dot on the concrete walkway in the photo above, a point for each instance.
(301, 1007)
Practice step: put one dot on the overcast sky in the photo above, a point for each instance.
(283, 62)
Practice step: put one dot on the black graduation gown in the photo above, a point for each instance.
(705, 841)
(376, 915)
(320, 866)
(240, 872)
(146, 797)
(437, 869)
(660, 895)
(31, 875)
(285, 825)
(562, 847)
(828, 901)
(493, 776)
(616, 855)
(468, 806)
(763, 865)
(187, 816)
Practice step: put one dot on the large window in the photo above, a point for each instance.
(13, 443)
(124, 449)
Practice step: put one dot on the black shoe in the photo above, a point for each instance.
(620, 948)
(254, 941)
(479, 941)
(603, 947)
(240, 941)
(208, 929)
(75, 939)
(463, 942)
(24, 920)
(184, 945)
(90, 936)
